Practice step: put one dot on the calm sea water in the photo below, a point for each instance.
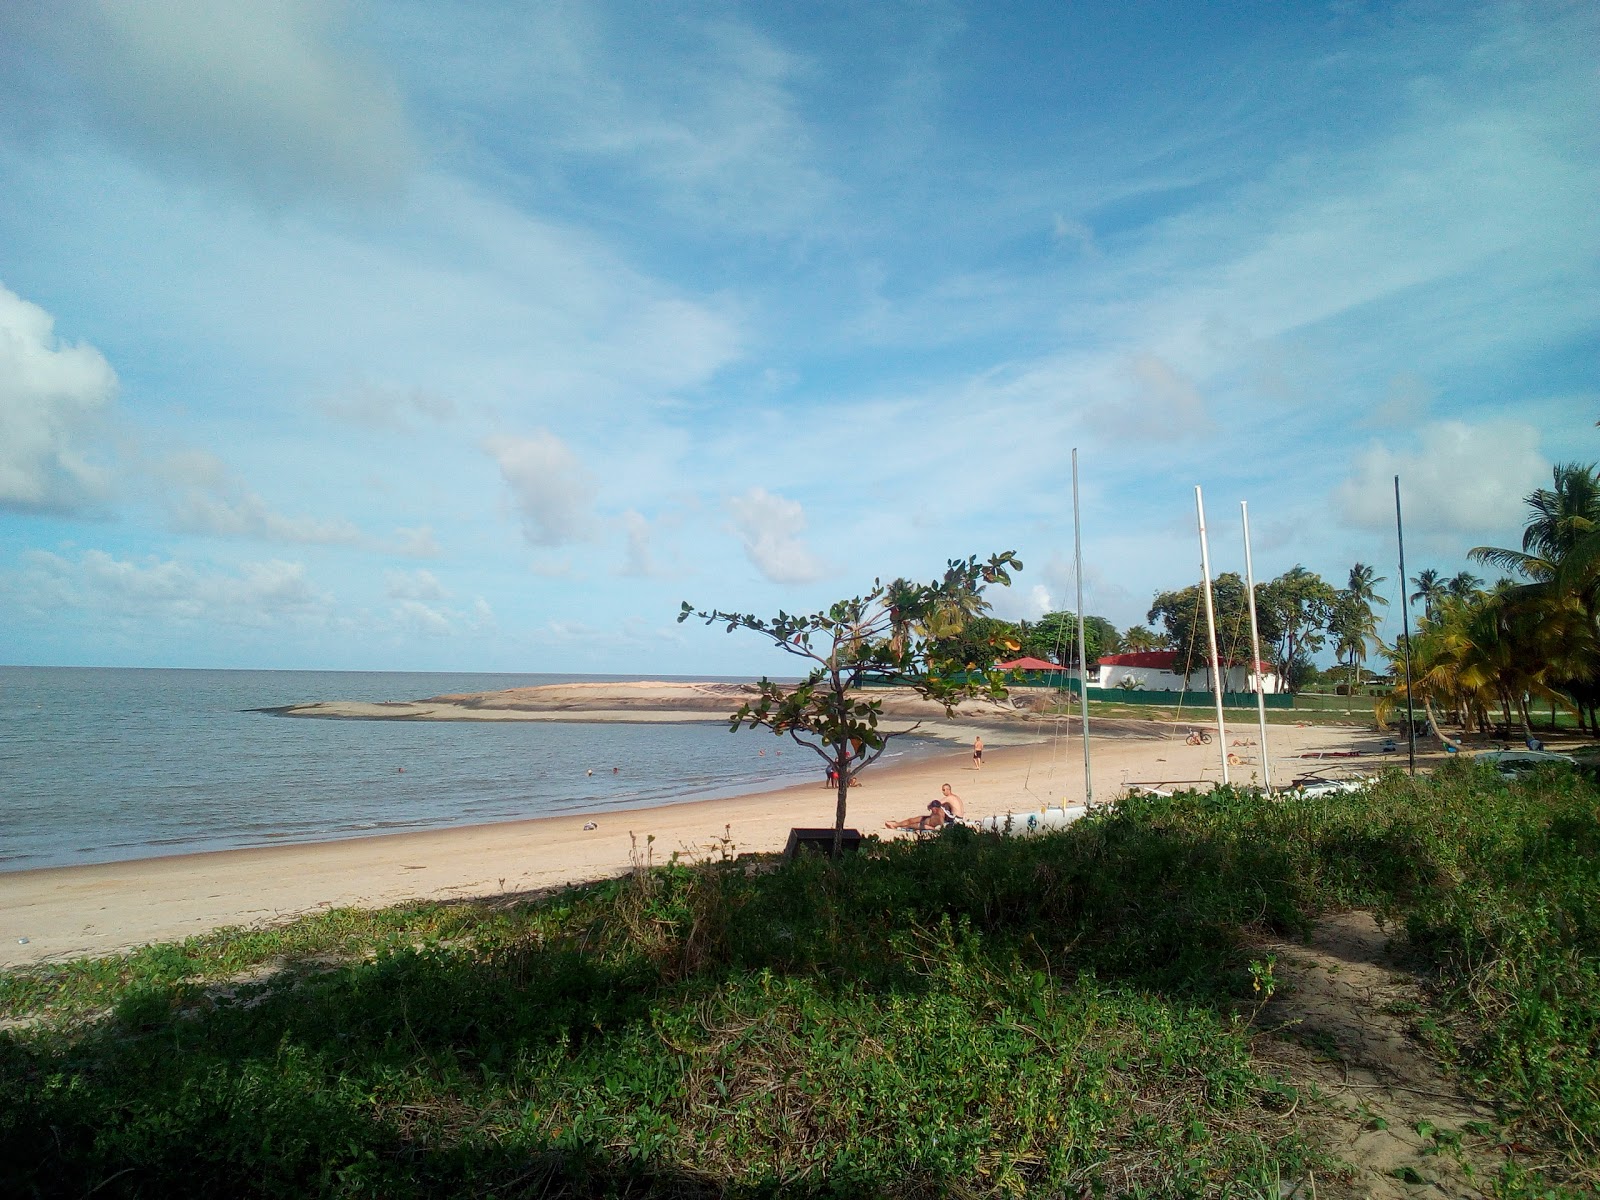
(99, 765)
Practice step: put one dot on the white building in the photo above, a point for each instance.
(1154, 671)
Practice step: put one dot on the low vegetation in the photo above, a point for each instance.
(1066, 1015)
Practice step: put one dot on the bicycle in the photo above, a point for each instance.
(1198, 737)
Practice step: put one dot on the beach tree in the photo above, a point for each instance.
(1299, 604)
(1182, 615)
(889, 636)
(1054, 637)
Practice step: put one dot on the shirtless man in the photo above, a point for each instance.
(948, 807)
(977, 753)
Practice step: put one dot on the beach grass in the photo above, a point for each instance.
(1072, 1014)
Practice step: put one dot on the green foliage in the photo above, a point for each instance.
(971, 1015)
(1140, 638)
(1054, 638)
(1182, 614)
(889, 636)
(1297, 604)
(979, 644)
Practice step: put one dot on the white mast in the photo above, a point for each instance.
(1255, 648)
(1211, 633)
(1083, 666)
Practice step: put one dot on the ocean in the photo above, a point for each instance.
(102, 765)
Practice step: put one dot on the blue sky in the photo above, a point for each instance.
(477, 336)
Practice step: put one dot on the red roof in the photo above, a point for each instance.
(1030, 664)
(1161, 660)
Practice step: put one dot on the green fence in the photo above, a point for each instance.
(1189, 699)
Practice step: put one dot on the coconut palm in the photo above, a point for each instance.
(1353, 623)
(1431, 589)
(1141, 638)
(1363, 585)
(1561, 517)
(1463, 586)
(1560, 557)
(902, 599)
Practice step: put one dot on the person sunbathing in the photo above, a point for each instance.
(944, 810)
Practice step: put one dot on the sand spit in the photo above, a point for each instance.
(642, 701)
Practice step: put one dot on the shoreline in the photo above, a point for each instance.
(53, 913)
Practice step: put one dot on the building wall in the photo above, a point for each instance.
(1152, 679)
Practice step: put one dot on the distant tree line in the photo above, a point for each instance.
(1298, 614)
(1531, 638)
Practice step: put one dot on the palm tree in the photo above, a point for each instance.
(1363, 585)
(1140, 639)
(902, 599)
(1431, 589)
(1353, 623)
(1560, 557)
(1464, 586)
(1562, 517)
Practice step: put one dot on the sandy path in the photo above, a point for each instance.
(74, 911)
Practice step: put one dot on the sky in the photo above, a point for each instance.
(478, 336)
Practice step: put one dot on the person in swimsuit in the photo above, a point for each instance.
(946, 809)
(977, 752)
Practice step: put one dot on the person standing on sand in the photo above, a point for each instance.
(977, 753)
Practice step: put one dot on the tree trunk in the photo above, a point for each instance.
(841, 753)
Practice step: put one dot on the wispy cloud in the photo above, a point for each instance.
(168, 591)
(272, 95)
(203, 496)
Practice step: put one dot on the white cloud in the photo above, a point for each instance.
(552, 490)
(1463, 479)
(637, 561)
(414, 585)
(770, 527)
(703, 112)
(1157, 403)
(52, 397)
(417, 542)
(415, 617)
(273, 94)
(1078, 233)
(203, 496)
(391, 410)
(1405, 404)
(168, 591)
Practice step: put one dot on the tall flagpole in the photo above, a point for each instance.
(1405, 618)
(1083, 666)
(1211, 633)
(1255, 648)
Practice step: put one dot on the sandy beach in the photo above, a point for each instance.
(69, 912)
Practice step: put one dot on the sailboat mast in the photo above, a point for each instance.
(1255, 648)
(1211, 633)
(1083, 665)
(1405, 617)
